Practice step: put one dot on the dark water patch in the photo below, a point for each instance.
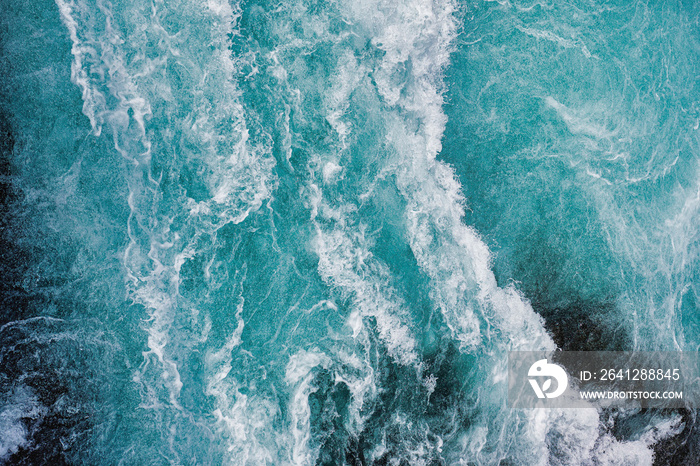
(682, 449)
(428, 412)
(329, 406)
(14, 258)
(52, 390)
(584, 326)
(354, 454)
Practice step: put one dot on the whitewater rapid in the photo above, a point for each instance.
(304, 233)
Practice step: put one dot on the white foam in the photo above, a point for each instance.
(241, 419)
(345, 262)
(478, 312)
(123, 91)
(579, 124)
(299, 375)
(22, 404)
(93, 100)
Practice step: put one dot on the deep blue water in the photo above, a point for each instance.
(300, 232)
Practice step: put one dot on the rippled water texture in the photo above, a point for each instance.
(299, 232)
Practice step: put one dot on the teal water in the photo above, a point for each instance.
(309, 232)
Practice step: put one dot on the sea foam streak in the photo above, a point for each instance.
(481, 316)
(124, 90)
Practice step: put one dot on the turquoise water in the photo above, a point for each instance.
(309, 232)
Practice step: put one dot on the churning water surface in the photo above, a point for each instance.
(308, 232)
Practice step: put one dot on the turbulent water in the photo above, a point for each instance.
(308, 232)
